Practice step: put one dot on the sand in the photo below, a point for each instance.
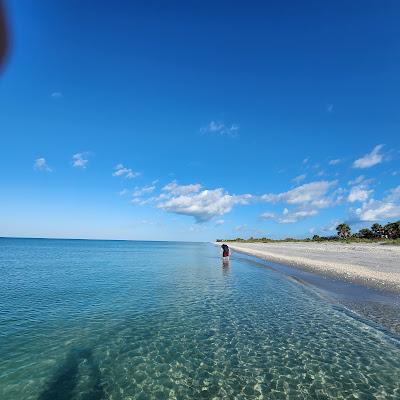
(369, 264)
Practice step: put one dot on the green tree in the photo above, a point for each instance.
(365, 233)
(316, 237)
(377, 230)
(343, 230)
(392, 230)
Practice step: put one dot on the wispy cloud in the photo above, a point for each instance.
(120, 170)
(267, 215)
(394, 194)
(375, 157)
(141, 191)
(219, 222)
(331, 227)
(123, 192)
(241, 228)
(80, 160)
(361, 180)
(299, 179)
(308, 199)
(56, 95)
(314, 194)
(220, 128)
(335, 161)
(290, 217)
(329, 108)
(177, 190)
(40, 164)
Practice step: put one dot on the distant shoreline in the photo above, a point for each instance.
(367, 264)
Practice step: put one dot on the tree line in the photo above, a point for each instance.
(390, 231)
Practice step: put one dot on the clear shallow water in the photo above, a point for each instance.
(149, 320)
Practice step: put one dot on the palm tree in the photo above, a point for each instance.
(343, 230)
(377, 230)
(392, 230)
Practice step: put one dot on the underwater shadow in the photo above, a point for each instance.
(64, 381)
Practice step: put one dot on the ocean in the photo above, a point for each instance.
(87, 319)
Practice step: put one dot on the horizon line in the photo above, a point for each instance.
(93, 239)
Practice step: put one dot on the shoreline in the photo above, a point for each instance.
(370, 265)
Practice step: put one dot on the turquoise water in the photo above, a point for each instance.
(151, 320)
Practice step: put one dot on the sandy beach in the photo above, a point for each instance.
(369, 264)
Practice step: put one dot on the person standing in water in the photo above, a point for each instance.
(225, 252)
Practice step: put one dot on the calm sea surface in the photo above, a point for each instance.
(157, 320)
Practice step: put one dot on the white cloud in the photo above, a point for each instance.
(375, 210)
(359, 189)
(140, 191)
(295, 216)
(306, 160)
(123, 192)
(120, 170)
(370, 159)
(290, 217)
(331, 227)
(299, 178)
(219, 222)
(176, 190)
(268, 215)
(57, 95)
(79, 160)
(220, 128)
(241, 228)
(359, 180)
(309, 199)
(358, 193)
(380, 210)
(394, 194)
(40, 164)
(314, 193)
(204, 205)
(335, 161)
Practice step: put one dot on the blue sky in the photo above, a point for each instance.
(198, 120)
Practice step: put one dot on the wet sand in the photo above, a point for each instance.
(368, 264)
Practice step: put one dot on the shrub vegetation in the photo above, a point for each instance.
(387, 234)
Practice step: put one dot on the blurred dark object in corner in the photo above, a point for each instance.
(3, 37)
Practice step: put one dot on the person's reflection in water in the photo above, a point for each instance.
(226, 267)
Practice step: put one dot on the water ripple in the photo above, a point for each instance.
(140, 320)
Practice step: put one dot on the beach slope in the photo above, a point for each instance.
(370, 264)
